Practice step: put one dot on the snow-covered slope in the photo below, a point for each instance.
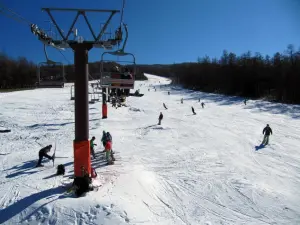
(193, 169)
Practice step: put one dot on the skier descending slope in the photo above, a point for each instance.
(266, 131)
(182, 101)
(193, 110)
(43, 153)
(165, 106)
(202, 104)
(161, 116)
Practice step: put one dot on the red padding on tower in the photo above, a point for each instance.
(82, 157)
(104, 110)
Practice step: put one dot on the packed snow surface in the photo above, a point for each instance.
(207, 168)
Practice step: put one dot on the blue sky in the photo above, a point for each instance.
(165, 31)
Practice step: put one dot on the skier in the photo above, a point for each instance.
(266, 131)
(193, 110)
(168, 93)
(181, 100)
(202, 104)
(165, 106)
(108, 154)
(43, 153)
(92, 145)
(161, 116)
(245, 101)
(103, 139)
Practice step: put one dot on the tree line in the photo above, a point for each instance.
(21, 73)
(275, 78)
(249, 75)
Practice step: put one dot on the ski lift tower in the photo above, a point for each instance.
(81, 47)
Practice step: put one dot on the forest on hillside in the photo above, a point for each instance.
(275, 78)
(21, 73)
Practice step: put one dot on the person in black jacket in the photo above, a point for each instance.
(160, 118)
(43, 153)
(266, 131)
(193, 110)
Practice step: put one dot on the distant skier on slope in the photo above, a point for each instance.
(160, 118)
(193, 110)
(266, 131)
(43, 153)
(245, 101)
(92, 147)
(202, 104)
(165, 106)
(181, 100)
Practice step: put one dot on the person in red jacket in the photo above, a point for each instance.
(108, 149)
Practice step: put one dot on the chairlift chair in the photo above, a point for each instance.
(117, 79)
(51, 74)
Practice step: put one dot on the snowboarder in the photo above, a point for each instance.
(43, 153)
(266, 131)
(193, 110)
(181, 100)
(202, 104)
(165, 106)
(161, 116)
(92, 145)
(108, 154)
(109, 139)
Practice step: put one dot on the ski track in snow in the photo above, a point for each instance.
(191, 170)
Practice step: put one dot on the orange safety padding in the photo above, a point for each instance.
(104, 110)
(82, 157)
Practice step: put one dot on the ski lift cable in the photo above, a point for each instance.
(13, 15)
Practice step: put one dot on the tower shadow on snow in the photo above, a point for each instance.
(17, 207)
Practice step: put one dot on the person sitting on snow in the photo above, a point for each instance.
(43, 153)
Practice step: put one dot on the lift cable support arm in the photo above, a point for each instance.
(83, 13)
